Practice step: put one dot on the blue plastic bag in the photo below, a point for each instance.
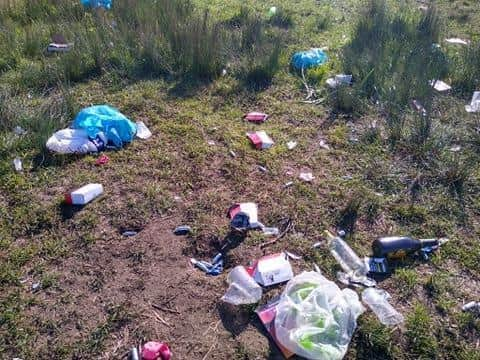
(117, 128)
(310, 58)
(107, 4)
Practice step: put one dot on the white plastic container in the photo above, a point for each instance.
(84, 195)
(273, 269)
(243, 289)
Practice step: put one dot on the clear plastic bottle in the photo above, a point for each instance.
(346, 257)
(377, 301)
(243, 289)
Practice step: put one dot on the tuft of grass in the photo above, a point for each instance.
(282, 18)
(405, 280)
(375, 341)
(419, 333)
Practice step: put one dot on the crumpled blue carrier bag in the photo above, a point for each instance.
(310, 58)
(107, 4)
(117, 128)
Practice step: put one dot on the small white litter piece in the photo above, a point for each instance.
(338, 80)
(17, 163)
(474, 104)
(323, 144)
(291, 145)
(308, 177)
(440, 86)
(142, 131)
(456, 41)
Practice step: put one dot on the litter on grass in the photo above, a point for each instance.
(107, 4)
(307, 177)
(456, 41)
(210, 268)
(315, 319)
(154, 350)
(377, 301)
(18, 130)
(440, 86)
(256, 117)
(400, 246)
(376, 265)
(309, 58)
(472, 306)
(271, 269)
(102, 160)
(244, 216)
(59, 48)
(84, 195)
(474, 104)
(291, 145)
(142, 131)
(338, 80)
(242, 288)
(260, 139)
(17, 164)
(323, 144)
(182, 230)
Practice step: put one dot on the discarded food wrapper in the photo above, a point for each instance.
(102, 160)
(310, 58)
(376, 265)
(315, 319)
(256, 117)
(54, 47)
(417, 106)
(266, 314)
(260, 139)
(288, 184)
(17, 163)
(262, 168)
(440, 86)
(36, 286)
(214, 268)
(475, 103)
(377, 301)
(291, 145)
(323, 144)
(154, 350)
(142, 131)
(308, 177)
(232, 154)
(338, 80)
(182, 230)
(18, 130)
(472, 306)
(243, 289)
(84, 195)
(455, 148)
(129, 233)
(272, 269)
(244, 216)
(457, 41)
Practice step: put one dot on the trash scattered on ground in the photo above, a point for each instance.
(36, 286)
(376, 265)
(292, 256)
(377, 301)
(341, 233)
(243, 289)
(129, 233)
(154, 350)
(182, 230)
(18, 130)
(262, 168)
(133, 355)
(270, 231)
(457, 41)
(272, 11)
(102, 160)
(310, 58)
(59, 48)
(142, 131)
(17, 164)
(288, 184)
(267, 314)
(455, 148)
(210, 268)
(272, 269)
(355, 269)
(417, 106)
(75, 141)
(472, 306)
(291, 145)
(338, 80)
(232, 154)
(256, 117)
(323, 144)
(107, 4)
(260, 139)
(475, 103)
(400, 246)
(211, 142)
(317, 244)
(315, 319)
(308, 177)
(440, 86)
(244, 216)
(84, 195)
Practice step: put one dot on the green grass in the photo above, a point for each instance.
(170, 78)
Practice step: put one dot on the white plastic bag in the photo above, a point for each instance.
(243, 289)
(71, 141)
(315, 319)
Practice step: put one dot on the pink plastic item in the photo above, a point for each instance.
(154, 350)
(257, 117)
(102, 160)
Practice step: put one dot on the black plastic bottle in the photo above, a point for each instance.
(400, 246)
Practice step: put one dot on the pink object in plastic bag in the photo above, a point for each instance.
(154, 350)
(257, 117)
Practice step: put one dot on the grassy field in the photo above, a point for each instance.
(388, 171)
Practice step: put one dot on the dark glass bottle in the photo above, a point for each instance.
(399, 246)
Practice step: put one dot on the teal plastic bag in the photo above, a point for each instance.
(310, 58)
(107, 4)
(117, 128)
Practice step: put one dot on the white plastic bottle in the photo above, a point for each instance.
(84, 195)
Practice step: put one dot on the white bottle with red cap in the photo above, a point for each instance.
(84, 195)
